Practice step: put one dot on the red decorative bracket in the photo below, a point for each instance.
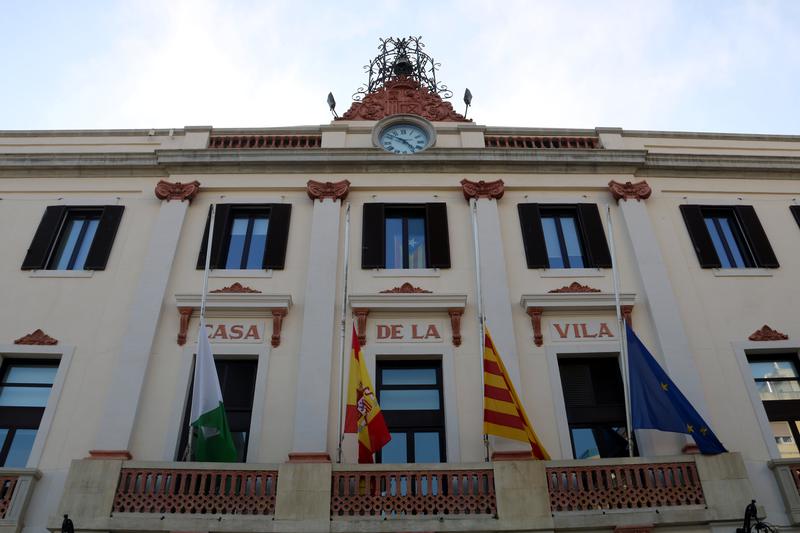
(37, 338)
(455, 324)
(630, 191)
(319, 190)
(482, 189)
(627, 310)
(277, 323)
(361, 324)
(185, 314)
(766, 333)
(574, 287)
(177, 191)
(236, 288)
(536, 321)
(406, 288)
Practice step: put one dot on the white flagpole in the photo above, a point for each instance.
(188, 453)
(473, 204)
(343, 330)
(623, 342)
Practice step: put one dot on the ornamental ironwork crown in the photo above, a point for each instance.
(402, 57)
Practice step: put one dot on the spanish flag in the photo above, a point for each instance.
(503, 414)
(363, 415)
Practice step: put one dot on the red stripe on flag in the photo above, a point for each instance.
(491, 367)
(496, 393)
(364, 455)
(351, 419)
(378, 433)
(502, 419)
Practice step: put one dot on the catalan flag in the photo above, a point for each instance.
(363, 415)
(503, 414)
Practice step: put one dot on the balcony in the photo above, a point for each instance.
(787, 474)
(113, 495)
(16, 487)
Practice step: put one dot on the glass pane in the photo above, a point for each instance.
(3, 435)
(599, 441)
(778, 390)
(258, 241)
(66, 244)
(396, 451)
(20, 448)
(426, 447)
(717, 241)
(409, 400)
(733, 244)
(551, 243)
(30, 374)
(236, 245)
(787, 447)
(409, 376)
(394, 243)
(24, 396)
(86, 243)
(572, 242)
(773, 369)
(240, 443)
(416, 243)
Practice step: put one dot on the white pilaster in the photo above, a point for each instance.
(121, 404)
(313, 389)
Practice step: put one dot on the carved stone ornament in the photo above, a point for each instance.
(455, 324)
(236, 288)
(37, 338)
(574, 287)
(361, 324)
(177, 191)
(185, 314)
(627, 312)
(403, 95)
(335, 190)
(406, 288)
(536, 321)
(483, 189)
(629, 190)
(277, 324)
(766, 333)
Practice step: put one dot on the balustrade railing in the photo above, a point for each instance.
(7, 485)
(541, 142)
(795, 469)
(265, 141)
(196, 491)
(626, 486)
(408, 493)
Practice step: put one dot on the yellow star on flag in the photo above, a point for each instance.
(703, 431)
(665, 387)
(690, 428)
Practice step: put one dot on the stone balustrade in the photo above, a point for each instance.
(541, 142)
(787, 473)
(264, 142)
(114, 495)
(16, 488)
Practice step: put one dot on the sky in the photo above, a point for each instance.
(701, 65)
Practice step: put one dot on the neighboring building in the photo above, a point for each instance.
(103, 241)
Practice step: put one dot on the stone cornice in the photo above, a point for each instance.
(335, 190)
(575, 301)
(408, 302)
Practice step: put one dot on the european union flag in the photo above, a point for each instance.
(656, 403)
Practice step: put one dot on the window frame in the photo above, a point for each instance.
(63, 355)
(413, 421)
(405, 213)
(557, 213)
(780, 410)
(251, 212)
(78, 213)
(737, 231)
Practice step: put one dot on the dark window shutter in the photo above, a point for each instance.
(373, 235)
(277, 236)
(532, 235)
(104, 237)
(795, 209)
(221, 221)
(594, 236)
(437, 235)
(701, 240)
(43, 239)
(756, 237)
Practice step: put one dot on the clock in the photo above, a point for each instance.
(403, 134)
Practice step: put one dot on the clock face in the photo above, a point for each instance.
(404, 139)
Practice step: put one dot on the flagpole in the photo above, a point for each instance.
(188, 453)
(342, 327)
(473, 204)
(623, 344)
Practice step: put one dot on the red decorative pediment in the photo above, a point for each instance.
(629, 190)
(335, 190)
(406, 288)
(403, 95)
(37, 338)
(483, 189)
(575, 287)
(177, 191)
(766, 333)
(236, 288)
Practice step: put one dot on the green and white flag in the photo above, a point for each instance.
(211, 436)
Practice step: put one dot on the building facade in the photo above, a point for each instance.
(104, 242)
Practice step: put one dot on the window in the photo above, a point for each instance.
(247, 236)
(563, 236)
(74, 238)
(237, 380)
(595, 404)
(405, 236)
(24, 391)
(778, 383)
(410, 396)
(728, 237)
